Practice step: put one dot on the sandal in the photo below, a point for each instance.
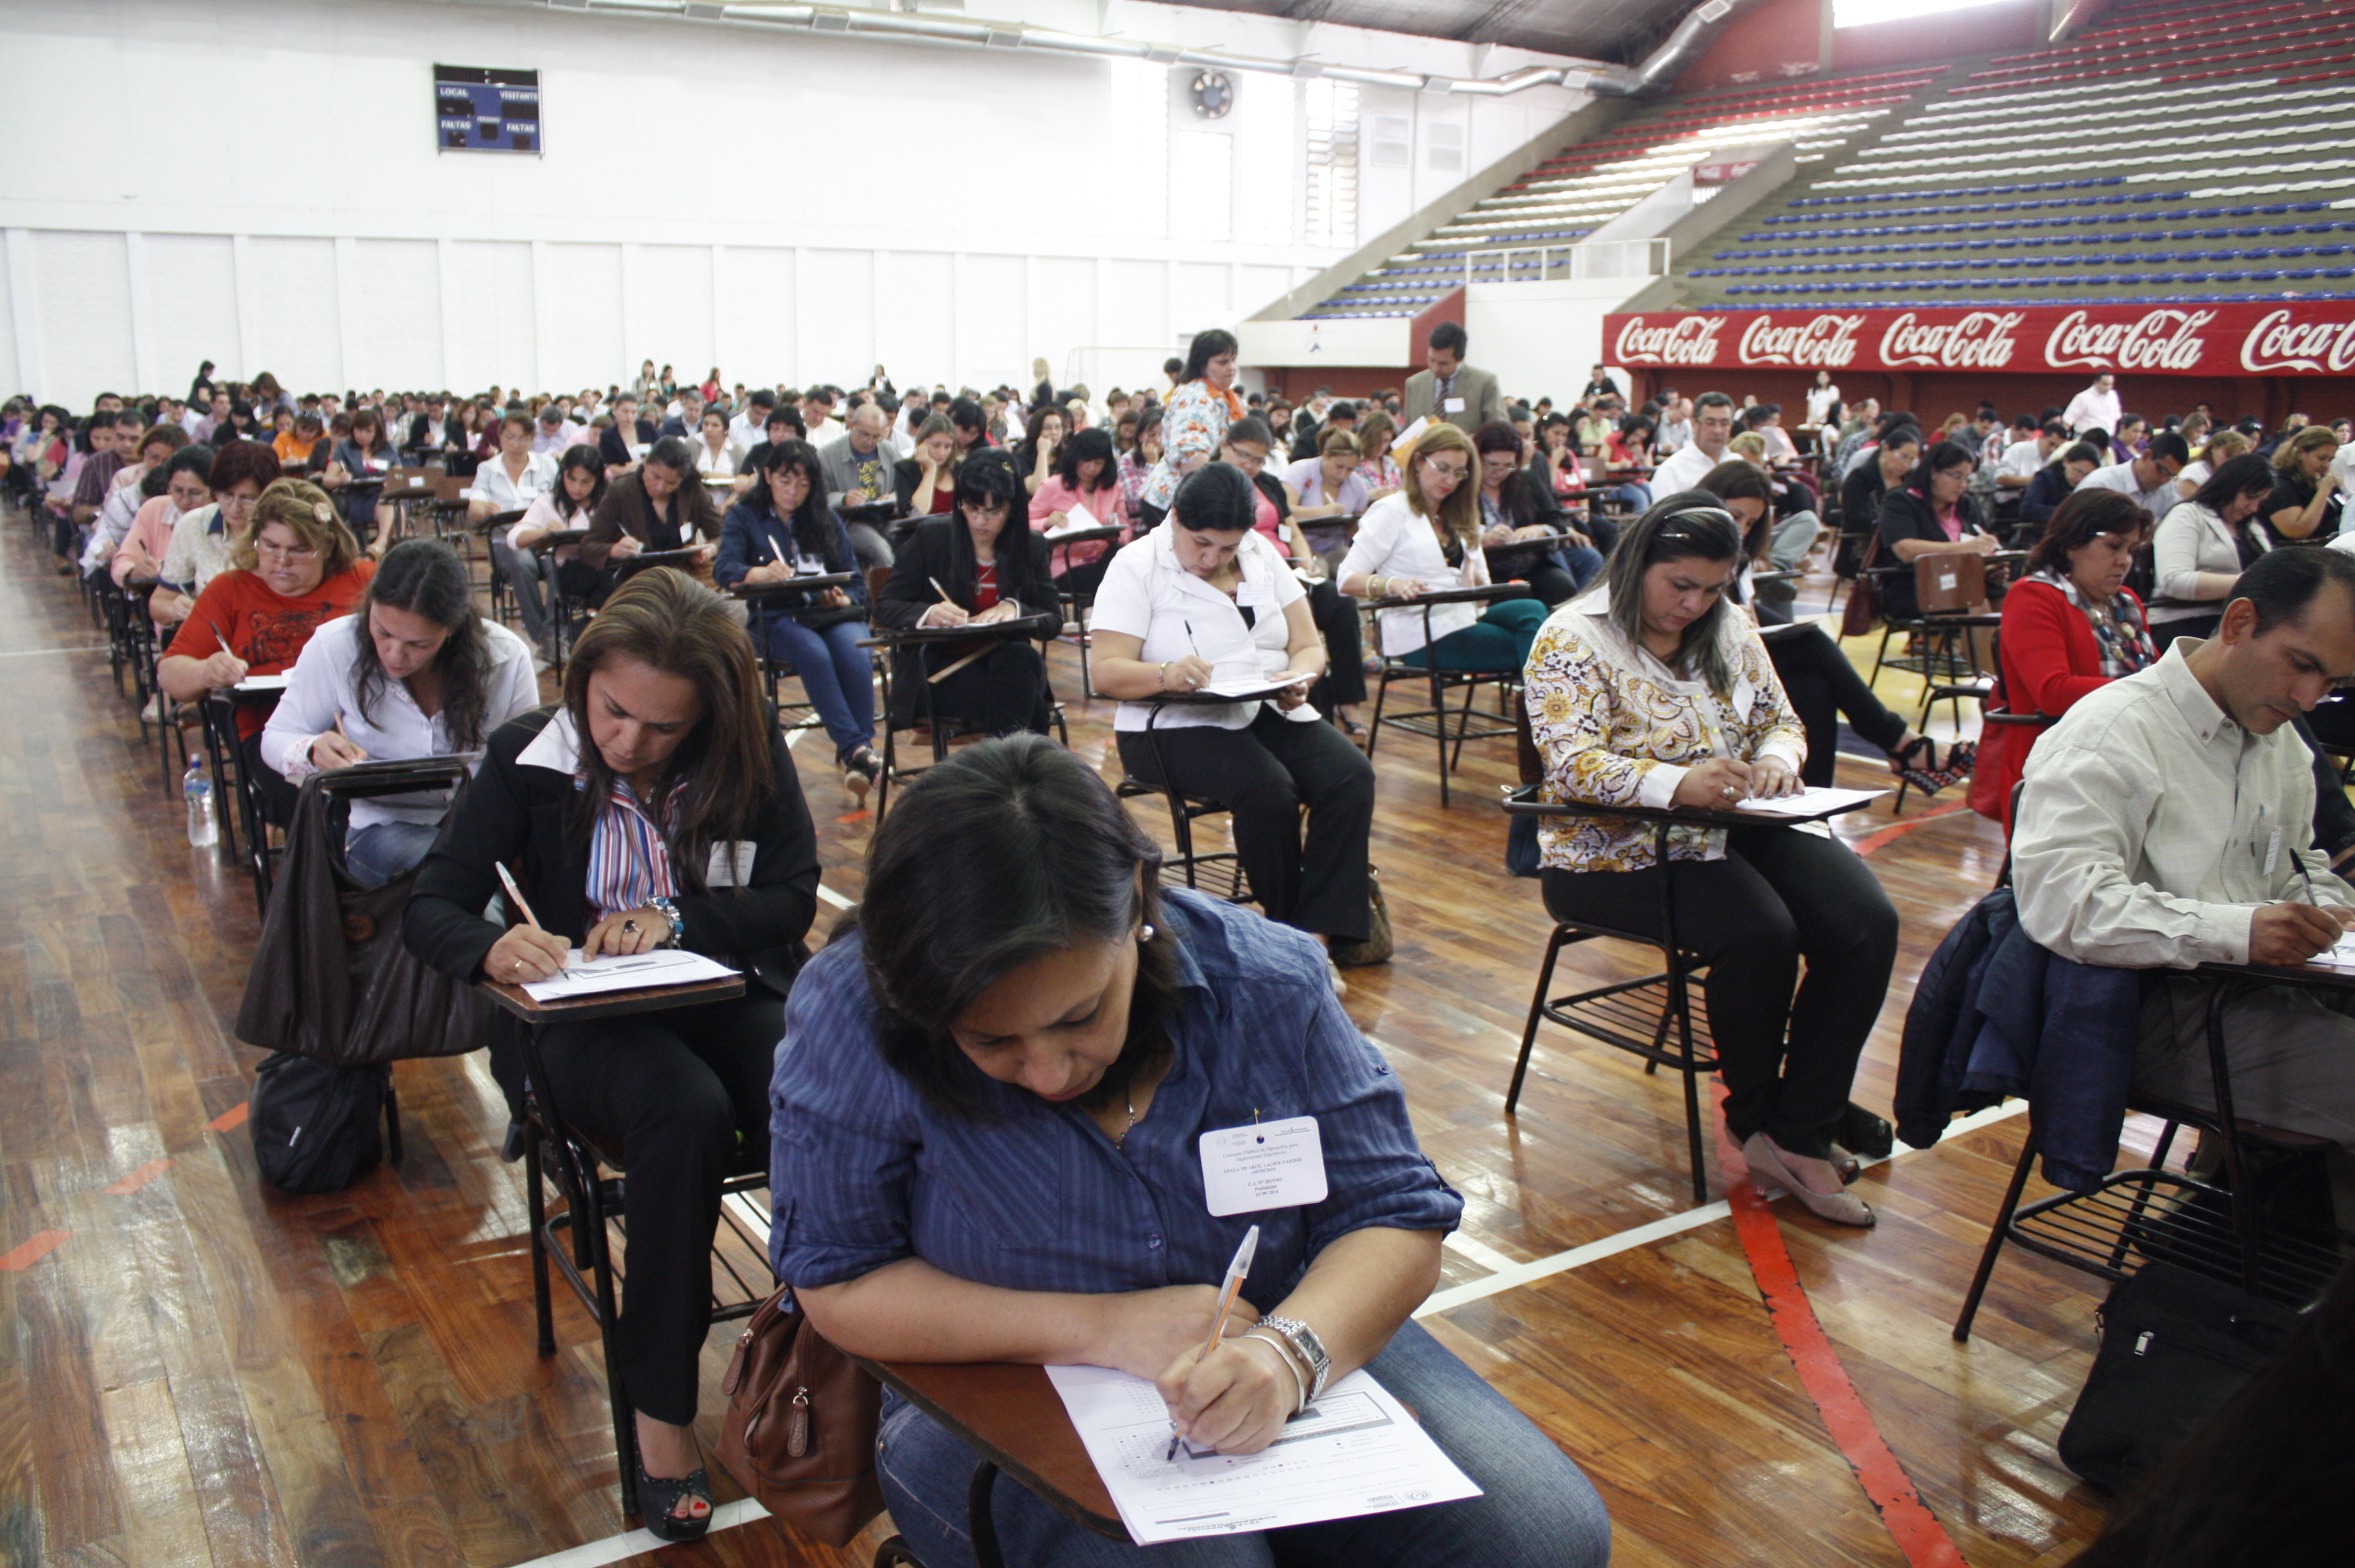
(859, 771)
(658, 1501)
(1767, 1169)
(1925, 774)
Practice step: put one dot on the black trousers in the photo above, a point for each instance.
(1264, 775)
(1003, 692)
(1779, 895)
(686, 1094)
(1344, 680)
(1822, 684)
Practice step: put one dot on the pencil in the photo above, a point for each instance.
(939, 589)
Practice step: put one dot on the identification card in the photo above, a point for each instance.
(731, 864)
(1255, 591)
(1267, 1165)
(1454, 405)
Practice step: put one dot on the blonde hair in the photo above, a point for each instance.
(2223, 446)
(1749, 444)
(1460, 513)
(1339, 440)
(302, 509)
(2307, 439)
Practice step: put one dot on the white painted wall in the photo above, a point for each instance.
(1541, 338)
(794, 206)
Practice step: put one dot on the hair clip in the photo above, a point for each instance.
(322, 512)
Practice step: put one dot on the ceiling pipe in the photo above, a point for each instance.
(1652, 76)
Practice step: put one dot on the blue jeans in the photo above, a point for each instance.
(1500, 641)
(838, 674)
(375, 854)
(1538, 1510)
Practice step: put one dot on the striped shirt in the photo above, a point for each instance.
(629, 862)
(1033, 1196)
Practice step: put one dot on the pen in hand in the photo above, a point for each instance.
(1236, 1272)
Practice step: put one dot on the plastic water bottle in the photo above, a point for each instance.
(204, 828)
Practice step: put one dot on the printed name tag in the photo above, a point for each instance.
(1255, 591)
(1269, 1165)
(731, 864)
(1454, 405)
(1946, 579)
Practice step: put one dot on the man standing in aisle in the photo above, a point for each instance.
(2095, 408)
(1463, 395)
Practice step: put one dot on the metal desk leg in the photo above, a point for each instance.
(980, 1521)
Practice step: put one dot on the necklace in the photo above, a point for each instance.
(1120, 1139)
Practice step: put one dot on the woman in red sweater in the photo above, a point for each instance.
(2070, 626)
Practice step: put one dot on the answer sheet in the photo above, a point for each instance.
(1356, 1451)
(663, 966)
(1812, 799)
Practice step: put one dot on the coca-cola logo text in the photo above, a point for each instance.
(1824, 342)
(2279, 341)
(2157, 340)
(1979, 340)
(1690, 340)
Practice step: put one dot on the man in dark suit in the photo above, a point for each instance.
(433, 431)
(1463, 395)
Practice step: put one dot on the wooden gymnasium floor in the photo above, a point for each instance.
(200, 1371)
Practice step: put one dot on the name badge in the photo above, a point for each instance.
(1255, 591)
(1454, 405)
(1268, 1165)
(731, 864)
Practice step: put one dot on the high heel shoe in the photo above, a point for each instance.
(659, 1496)
(1767, 1169)
(1925, 773)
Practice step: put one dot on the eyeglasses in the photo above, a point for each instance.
(237, 503)
(1247, 460)
(284, 552)
(1444, 471)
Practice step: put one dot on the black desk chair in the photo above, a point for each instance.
(890, 641)
(1187, 865)
(1634, 1016)
(561, 604)
(1077, 603)
(244, 833)
(1438, 721)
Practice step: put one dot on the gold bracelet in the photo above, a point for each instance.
(1164, 674)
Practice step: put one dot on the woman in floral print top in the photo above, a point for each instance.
(1194, 424)
(1652, 690)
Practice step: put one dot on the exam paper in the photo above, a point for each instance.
(664, 966)
(1242, 688)
(1406, 437)
(1076, 518)
(256, 684)
(1356, 1451)
(1811, 799)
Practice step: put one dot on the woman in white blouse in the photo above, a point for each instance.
(717, 454)
(2202, 545)
(1652, 690)
(515, 477)
(1426, 538)
(1203, 600)
(417, 673)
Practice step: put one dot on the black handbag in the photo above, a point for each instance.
(2175, 1346)
(315, 1125)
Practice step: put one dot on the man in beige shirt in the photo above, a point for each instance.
(2166, 823)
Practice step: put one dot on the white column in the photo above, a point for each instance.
(445, 262)
(30, 370)
(240, 250)
(143, 353)
(346, 362)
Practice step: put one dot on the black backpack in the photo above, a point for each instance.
(314, 1124)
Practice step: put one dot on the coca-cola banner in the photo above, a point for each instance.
(2289, 339)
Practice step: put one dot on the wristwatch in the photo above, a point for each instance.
(1310, 1348)
(669, 912)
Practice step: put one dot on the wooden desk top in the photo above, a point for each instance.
(609, 1003)
(1013, 1417)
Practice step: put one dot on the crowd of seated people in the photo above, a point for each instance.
(1253, 533)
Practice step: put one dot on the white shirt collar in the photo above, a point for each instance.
(557, 747)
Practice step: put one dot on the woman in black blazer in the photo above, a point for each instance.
(661, 703)
(991, 567)
(1932, 512)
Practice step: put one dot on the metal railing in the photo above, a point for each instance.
(1630, 258)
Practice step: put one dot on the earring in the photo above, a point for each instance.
(1145, 934)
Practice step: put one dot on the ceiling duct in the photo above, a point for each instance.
(1656, 72)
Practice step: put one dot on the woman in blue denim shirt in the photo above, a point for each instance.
(986, 1114)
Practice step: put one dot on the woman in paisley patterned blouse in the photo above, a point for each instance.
(1653, 690)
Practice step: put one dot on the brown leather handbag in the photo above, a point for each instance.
(800, 1429)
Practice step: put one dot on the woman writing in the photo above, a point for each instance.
(1884, 471)
(1427, 539)
(781, 529)
(1518, 508)
(1086, 482)
(295, 569)
(625, 440)
(926, 481)
(1325, 488)
(2222, 447)
(1652, 691)
(656, 806)
(659, 508)
(563, 507)
(2303, 490)
(203, 541)
(1005, 1067)
(1930, 513)
(1376, 467)
(978, 566)
(416, 673)
(2057, 480)
(2202, 545)
(1194, 422)
(516, 477)
(356, 468)
(1205, 598)
(1137, 465)
(2070, 626)
(717, 454)
(1823, 685)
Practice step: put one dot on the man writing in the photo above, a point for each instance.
(2166, 823)
(859, 469)
(2149, 479)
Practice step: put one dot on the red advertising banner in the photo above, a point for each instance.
(2267, 338)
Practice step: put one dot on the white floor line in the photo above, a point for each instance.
(830, 896)
(1509, 1275)
(1645, 1234)
(41, 653)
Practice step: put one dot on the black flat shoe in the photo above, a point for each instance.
(1864, 1133)
(659, 1496)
